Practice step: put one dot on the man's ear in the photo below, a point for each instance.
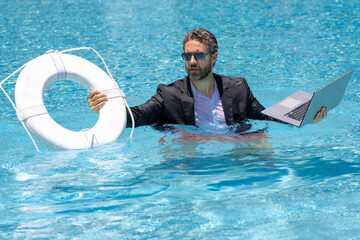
(214, 57)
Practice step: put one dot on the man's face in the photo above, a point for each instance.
(198, 69)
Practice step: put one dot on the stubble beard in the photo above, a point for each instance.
(201, 74)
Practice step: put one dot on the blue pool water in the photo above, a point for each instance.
(288, 183)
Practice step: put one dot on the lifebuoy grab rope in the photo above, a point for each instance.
(37, 74)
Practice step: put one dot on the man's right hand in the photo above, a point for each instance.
(96, 100)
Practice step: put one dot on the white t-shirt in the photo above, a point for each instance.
(208, 111)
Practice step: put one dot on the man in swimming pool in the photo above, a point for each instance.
(201, 98)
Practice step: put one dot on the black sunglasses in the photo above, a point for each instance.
(198, 56)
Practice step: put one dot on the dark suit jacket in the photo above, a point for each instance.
(174, 103)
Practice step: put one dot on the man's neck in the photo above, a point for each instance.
(206, 86)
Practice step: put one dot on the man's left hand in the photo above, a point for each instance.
(320, 115)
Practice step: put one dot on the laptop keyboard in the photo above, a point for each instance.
(299, 112)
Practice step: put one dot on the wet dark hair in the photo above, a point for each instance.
(203, 36)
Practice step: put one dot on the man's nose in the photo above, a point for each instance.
(193, 59)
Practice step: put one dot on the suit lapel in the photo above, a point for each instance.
(187, 101)
(226, 97)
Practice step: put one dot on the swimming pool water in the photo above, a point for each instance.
(287, 183)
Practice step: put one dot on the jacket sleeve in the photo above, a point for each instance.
(255, 107)
(150, 112)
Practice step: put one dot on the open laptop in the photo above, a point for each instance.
(301, 107)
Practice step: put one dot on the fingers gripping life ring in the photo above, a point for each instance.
(54, 66)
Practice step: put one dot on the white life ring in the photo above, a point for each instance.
(54, 66)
